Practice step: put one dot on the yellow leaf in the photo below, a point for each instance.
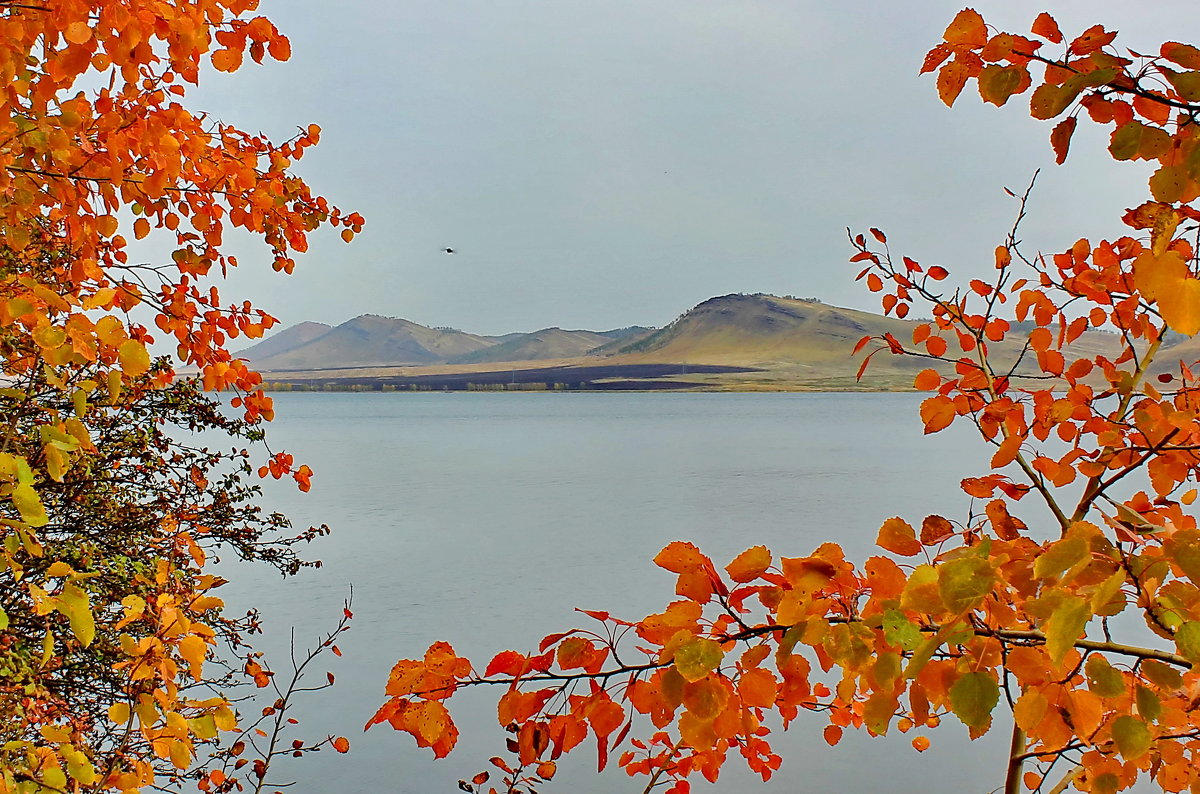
(73, 602)
(29, 505)
(193, 649)
(1180, 307)
(79, 766)
(1156, 275)
(225, 719)
(119, 713)
(59, 568)
(204, 727)
(135, 360)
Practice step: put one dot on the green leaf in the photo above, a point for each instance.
(1162, 674)
(1104, 679)
(997, 83)
(1066, 624)
(899, 630)
(964, 582)
(973, 697)
(1187, 84)
(1132, 737)
(1169, 183)
(1048, 101)
(1148, 704)
(698, 658)
(1187, 640)
(1060, 557)
(1183, 549)
(3, 620)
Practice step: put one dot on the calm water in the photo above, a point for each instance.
(484, 519)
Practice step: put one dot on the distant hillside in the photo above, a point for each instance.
(546, 343)
(374, 341)
(787, 342)
(763, 329)
(282, 341)
(369, 340)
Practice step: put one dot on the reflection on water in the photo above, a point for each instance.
(483, 519)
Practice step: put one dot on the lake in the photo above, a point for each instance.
(484, 519)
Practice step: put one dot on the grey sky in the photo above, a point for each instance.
(601, 163)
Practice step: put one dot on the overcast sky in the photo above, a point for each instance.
(602, 163)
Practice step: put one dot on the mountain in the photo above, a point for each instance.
(763, 329)
(543, 344)
(282, 341)
(368, 340)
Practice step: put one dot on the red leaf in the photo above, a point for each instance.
(1060, 138)
(1092, 39)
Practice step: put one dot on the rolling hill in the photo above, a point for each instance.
(546, 343)
(366, 341)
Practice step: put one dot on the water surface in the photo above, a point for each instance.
(483, 519)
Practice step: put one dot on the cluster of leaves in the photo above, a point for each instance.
(116, 655)
(957, 617)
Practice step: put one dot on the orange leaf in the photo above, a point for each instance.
(937, 412)
(966, 30)
(832, 734)
(934, 58)
(758, 688)
(1092, 39)
(1007, 451)
(680, 556)
(227, 59)
(750, 564)
(950, 81)
(77, 32)
(920, 743)
(1047, 28)
(807, 574)
(935, 529)
(927, 380)
(897, 536)
(341, 744)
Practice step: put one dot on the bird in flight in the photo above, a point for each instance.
(447, 250)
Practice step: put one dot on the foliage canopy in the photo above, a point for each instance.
(111, 677)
